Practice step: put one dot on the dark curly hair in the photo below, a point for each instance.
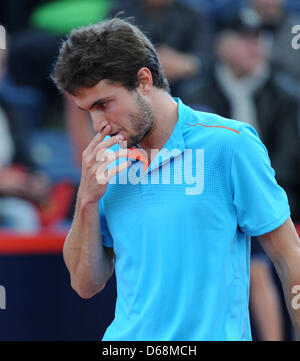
(112, 49)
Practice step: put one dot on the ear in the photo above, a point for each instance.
(145, 80)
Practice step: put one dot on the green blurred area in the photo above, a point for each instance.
(61, 16)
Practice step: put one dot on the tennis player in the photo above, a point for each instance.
(174, 224)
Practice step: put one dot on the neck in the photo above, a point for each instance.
(237, 72)
(165, 112)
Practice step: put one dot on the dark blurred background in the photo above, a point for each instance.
(231, 57)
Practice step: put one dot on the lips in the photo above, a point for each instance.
(113, 134)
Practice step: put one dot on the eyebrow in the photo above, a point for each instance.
(96, 102)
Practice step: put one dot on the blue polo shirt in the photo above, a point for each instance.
(181, 232)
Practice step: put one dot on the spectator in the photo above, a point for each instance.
(26, 87)
(215, 9)
(243, 85)
(15, 213)
(277, 25)
(19, 187)
(181, 34)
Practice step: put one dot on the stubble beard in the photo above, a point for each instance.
(142, 122)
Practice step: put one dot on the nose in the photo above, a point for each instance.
(98, 120)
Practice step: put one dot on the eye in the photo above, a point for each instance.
(103, 105)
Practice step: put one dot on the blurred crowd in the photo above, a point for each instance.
(232, 57)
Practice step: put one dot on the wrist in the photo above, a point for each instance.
(85, 201)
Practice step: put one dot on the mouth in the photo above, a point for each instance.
(115, 133)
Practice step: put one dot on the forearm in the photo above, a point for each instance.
(84, 254)
(283, 247)
(90, 264)
(289, 274)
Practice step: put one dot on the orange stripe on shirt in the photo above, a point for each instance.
(213, 126)
(138, 155)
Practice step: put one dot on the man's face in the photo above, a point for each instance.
(243, 53)
(115, 110)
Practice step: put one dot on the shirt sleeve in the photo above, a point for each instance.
(261, 204)
(107, 239)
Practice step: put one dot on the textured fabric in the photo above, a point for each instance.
(183, 249)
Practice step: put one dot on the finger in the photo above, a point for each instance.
(109, 142)
(107, 157)
(98, 138)
(101, 156)
(103, 160)
(104, 178)
(106, 129)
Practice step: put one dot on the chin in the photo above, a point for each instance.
(126, 143)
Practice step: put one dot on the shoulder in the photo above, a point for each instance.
(212, 128)
(223, 140)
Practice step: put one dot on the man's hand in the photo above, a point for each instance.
(89, 263)
(95, 160)
(177, 65)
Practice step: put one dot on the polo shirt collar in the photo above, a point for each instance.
(175, 144)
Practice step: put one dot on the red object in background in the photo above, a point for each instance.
(38, 243)
(46, 241)
(59, 204)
